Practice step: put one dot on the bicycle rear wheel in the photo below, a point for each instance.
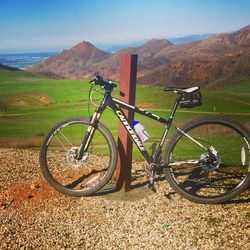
(60, 166)
(214, 175)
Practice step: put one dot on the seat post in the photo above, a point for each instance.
(169, 122)
(177, 101)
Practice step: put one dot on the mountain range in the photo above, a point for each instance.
(113, 47)
(219, 60)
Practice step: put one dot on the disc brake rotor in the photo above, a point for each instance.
(209, 161)
(72, 160)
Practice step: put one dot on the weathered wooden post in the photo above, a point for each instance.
(128, 71)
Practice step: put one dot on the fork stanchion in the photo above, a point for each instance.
(128, 71)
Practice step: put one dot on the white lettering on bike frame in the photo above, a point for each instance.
(130, 130)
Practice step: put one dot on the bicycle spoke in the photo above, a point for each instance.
(66, 138)
(61, 143)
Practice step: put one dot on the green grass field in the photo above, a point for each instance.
(30, 105)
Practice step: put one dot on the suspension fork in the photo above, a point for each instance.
(89, 133)
(93, 125)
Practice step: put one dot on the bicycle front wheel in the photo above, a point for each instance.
(64, 171)
(215, 174)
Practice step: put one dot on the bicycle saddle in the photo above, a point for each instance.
(182, 90)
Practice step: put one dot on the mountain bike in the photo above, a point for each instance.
(207, 160)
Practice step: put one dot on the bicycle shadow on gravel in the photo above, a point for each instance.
(139, 189)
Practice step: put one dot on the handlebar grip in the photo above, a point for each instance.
(107, 84)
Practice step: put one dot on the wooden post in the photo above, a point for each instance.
(128, 70)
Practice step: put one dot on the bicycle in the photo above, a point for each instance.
(207, 160)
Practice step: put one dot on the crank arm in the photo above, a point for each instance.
(152, 179)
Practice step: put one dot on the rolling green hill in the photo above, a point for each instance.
(30, 105)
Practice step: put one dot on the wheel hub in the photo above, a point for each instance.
(210, 160)
(72, 160)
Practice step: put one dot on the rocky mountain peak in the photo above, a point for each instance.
(218, 43)
(84, 45)
(242, 36)
(154, 41)
(155, 45)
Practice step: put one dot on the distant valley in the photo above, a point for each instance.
(217, 61)
(24, 60)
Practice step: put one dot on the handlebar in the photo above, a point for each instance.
(106, 84)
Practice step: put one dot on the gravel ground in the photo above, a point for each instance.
(34, 216)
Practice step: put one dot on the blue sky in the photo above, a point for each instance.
(49, 25)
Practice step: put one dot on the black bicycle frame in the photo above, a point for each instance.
(113, 103)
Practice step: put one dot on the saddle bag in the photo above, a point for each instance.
(190, 100)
